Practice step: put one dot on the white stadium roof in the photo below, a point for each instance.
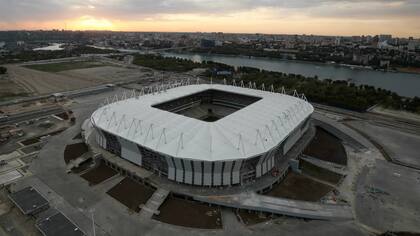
(248, 132)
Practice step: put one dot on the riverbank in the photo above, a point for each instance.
(277, 58)
(404, 84)
(411, 70)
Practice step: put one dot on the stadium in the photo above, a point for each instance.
(204, 134)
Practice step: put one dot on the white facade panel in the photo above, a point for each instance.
(264, 167)
(100, 139)
(227, 173)
(291, 140)
(207, 178)
(217, 173)
(171, 168)
(179, 170)
(236, 172)
(129, 151)
(198, 173)
(258, 167)
(188, 178)
(271, 163)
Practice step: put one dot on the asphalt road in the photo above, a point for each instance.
(31, 115)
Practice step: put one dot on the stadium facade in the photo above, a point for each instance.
(205, 134)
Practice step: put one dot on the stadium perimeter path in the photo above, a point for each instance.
(76, 198)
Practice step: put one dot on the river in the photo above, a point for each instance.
(51, 47)
(405, 84)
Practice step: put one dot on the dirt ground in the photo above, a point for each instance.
(74, 151)
(31, 149)
(252, 218)
(82, 167)
(99, 174)
(103, 74)
(12, 221)
(78, 136)
(186, 213)
(399, 234)
(396, 113)
(63, 115)
(63, 66)
(299, 187)
(326, 147)
(320, 173)
(131, 193)
(28, 106)
(38, 82)
(9, 89)
(30, 141)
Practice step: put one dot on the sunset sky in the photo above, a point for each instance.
(324, 17)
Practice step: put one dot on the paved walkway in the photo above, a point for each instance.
(264, 182)
(281, 206)
(152, 205)
(336, 168)
(343, 132)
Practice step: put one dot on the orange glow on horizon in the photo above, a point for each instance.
(256, 21)
(90, 23)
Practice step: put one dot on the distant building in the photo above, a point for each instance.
(412, 45)
(207, 43)
(337, 41)
(385, 37)
(384, 63)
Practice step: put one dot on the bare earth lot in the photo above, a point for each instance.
(9, 89)
(299, 187)
(252, 218)
(388, 198)
(326, 147)
(103, 74)
(73, 151)
(99, 174)
(63, 66)
(131, 193)
(320, 173)
(401, 147)
(194, 214)
(40, 82)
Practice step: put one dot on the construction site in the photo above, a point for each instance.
(59, 177)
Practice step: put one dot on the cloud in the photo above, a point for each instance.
(13, 12)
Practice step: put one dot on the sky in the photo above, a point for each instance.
(320, 17)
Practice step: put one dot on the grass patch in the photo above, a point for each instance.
(63, 66)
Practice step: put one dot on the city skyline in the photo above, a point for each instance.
(319, 17)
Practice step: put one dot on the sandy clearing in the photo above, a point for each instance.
(38, 82)
(104, 74)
